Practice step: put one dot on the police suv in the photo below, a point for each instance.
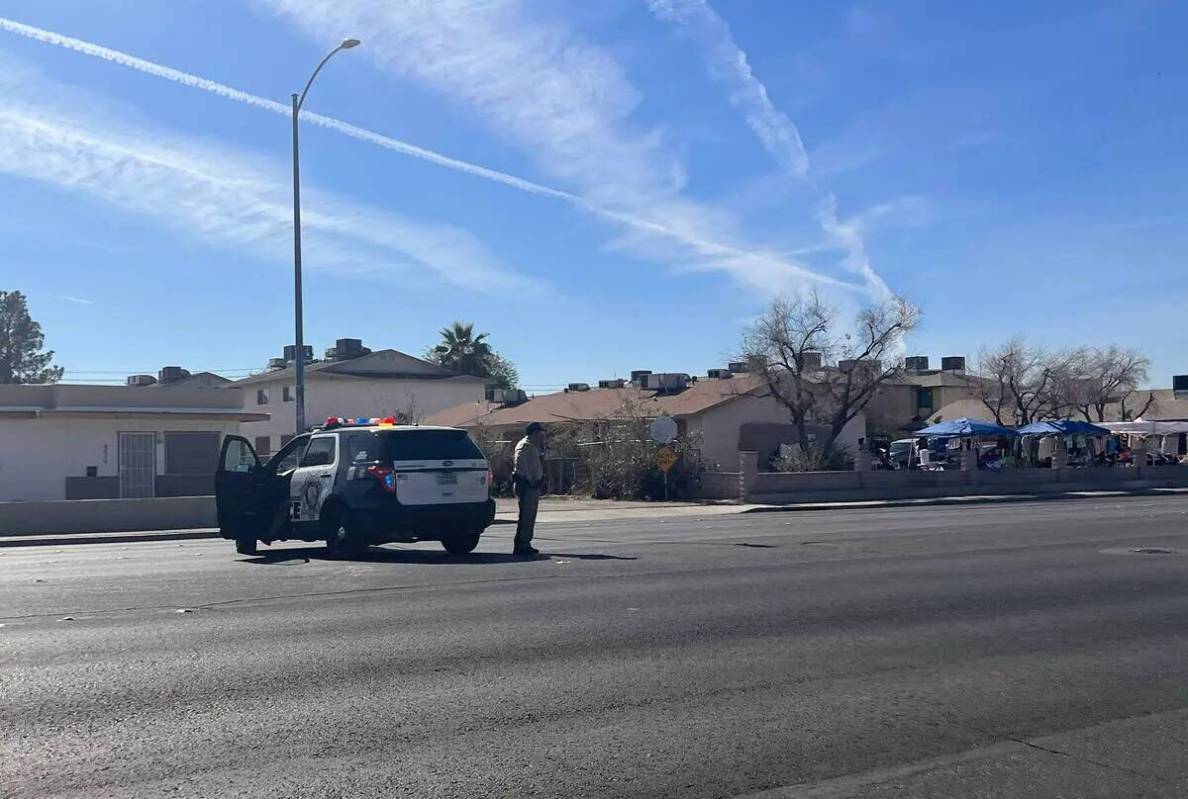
(357, 483)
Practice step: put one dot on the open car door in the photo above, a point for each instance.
(239, 491)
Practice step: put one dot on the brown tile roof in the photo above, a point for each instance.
(599, 403)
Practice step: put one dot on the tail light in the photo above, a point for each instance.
(385, 476)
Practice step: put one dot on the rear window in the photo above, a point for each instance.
(426, 445)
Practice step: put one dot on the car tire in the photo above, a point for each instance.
(245, 545)
(341, 540)
(461, 544)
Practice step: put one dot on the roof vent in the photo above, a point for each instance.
(719, 374)
(617, 382)
(578, 387)
(171, 374)
(141, 380)
(955, 363)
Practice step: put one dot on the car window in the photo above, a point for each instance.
(362, 447)
(320, 452)
(239, 457)
(418, 445)
(289, 456)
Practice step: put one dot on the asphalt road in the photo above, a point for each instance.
(993, 651)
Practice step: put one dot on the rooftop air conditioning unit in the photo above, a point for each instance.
(276, 364)
(739, 367)
(290, 353)
(1180, 386)
(141, 380)
(955, 363)
(171, 374)
(617, 382)
(667, 382)
(506, 396)
(916, 363)
(345, 349)
(578, 387)
(719, 374)
(811, 359)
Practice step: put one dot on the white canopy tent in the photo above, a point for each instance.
(1142, 428)
(1162, 436)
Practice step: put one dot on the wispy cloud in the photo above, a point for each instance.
(568, 105)
(77, 300)
(218, 194)
(728, 65)
(565, 101)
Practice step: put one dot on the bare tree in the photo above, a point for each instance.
(1018, 383)
(823, 369)
(1101, 380)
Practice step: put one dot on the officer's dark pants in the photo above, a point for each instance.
(529, 501)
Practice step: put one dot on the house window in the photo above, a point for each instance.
(924, 398)
(262, 396)
(287, 394)
(263, 446)
(187, 453)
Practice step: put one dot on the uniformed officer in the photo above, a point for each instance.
(528, 478)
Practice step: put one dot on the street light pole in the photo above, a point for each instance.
(298, 317)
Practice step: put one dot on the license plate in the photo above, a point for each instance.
(447, 479)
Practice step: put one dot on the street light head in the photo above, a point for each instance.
(347, 44)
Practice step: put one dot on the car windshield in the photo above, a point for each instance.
(421, 445)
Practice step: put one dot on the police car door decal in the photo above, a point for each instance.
(312, 482)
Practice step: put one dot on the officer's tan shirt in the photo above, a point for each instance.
(529, 461)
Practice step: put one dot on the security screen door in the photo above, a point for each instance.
(138, 465)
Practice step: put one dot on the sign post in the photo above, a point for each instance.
(664, 430)
(665, 460)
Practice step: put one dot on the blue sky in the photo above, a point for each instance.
(665, 167)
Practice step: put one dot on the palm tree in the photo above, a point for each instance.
(461, 350)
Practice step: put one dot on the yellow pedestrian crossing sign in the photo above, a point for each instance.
(666, 458)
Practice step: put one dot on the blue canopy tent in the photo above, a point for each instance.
(965, 428)
(1062, 427)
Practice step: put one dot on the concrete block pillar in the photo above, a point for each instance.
(969, 460)
(1060, 454)
(862, 457)
(748, 471)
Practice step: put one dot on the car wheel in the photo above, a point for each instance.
(341, 541)
(245, 545)
(461, 544)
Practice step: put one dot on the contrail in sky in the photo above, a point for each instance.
(222, 90)
(709, 248)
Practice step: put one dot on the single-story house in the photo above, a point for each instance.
(727, 415)
(351, 381)
(96, 442)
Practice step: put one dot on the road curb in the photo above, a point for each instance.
(995, 499)
(106, 538)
